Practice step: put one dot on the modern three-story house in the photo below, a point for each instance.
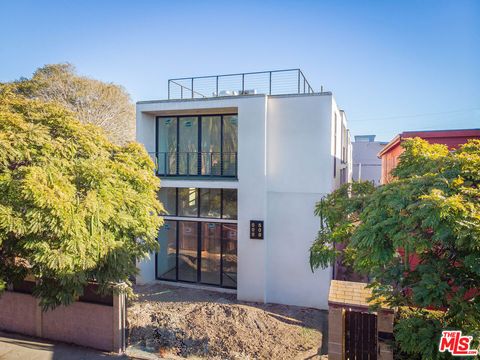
(243, 158)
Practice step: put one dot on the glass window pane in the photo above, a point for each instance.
(211, 145)
(229, 204)
(229, 258)
(187, 202)
(230, 145)
(211, 251)
(167, 145)
(168, 197)
(187, 250)
(188, 146)
(210, 203)
(166, 257)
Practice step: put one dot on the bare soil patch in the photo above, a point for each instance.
(177, 322)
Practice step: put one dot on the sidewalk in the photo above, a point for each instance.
(18, 347)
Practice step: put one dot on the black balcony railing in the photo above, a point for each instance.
(275, 82)
(209, 164)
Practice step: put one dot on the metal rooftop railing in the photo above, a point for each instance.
(275, 82)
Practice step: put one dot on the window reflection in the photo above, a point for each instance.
(230, 145)
(211, 252)
(203, 202)
(211, 145)
(210, 203)
(167, 145)
(216, 243)
(188, 146)
(167, 256)
(197, 145)
(187, 202)
(168, 197)
(229, 204)
(187, 250)
(229, 239)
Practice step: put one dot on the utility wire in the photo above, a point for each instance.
(413, 115)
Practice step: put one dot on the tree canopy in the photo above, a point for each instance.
(418, 238)
(73, 206)
(94, 102)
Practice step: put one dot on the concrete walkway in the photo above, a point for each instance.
(17, 347)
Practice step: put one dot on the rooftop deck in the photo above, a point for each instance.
(275, 82)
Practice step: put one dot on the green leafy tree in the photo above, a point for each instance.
(94, 102)
(418, 238)
(73, 206)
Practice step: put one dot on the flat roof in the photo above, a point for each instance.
(325, 93)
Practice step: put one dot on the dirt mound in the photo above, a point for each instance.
(182, 322)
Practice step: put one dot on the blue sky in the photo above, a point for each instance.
(392, 65)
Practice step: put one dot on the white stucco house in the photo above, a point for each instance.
(366, 165)
(243, 158)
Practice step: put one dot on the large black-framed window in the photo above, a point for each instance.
(205, 145)
(168, 198)
(198, 252)
(167, 239)
(211, 203)
(187, 202)
(200, 202)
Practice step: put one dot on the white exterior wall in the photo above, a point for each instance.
(285, 165)
(366, 164)
(300, 169)
(349, 164)
(336, 146)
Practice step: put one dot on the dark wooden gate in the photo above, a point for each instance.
(360, 336)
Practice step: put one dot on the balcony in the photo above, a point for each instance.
(275, 82)
(195, 164)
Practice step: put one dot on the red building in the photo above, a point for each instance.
(451, 138)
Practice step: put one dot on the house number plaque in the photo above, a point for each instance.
(256, 229)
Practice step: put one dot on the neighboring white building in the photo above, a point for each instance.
(366, 163)
(263, 148)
